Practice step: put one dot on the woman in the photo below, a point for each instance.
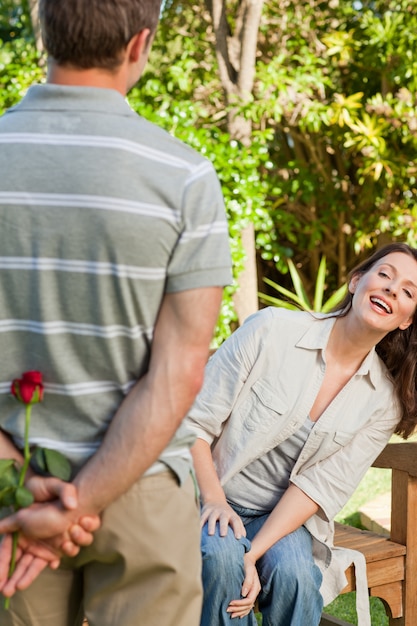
(294, 409)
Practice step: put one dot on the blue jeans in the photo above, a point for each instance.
(290, 579)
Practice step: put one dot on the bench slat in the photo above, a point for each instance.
(374, 547)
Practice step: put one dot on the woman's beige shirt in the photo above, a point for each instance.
(259, 388)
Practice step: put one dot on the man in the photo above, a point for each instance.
(113, 255)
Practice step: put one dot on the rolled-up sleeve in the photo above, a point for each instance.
(332, 481)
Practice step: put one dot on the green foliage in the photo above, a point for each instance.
(300, 299)
(19, 68)
(20, 63)
(180, 92)
(331, 170)
(15, 21)
(335, 83)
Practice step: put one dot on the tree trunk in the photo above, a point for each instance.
(34, 18)
(236, 57)
(246, 297)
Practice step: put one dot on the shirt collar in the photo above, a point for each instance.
(317, 336)
(51, 97)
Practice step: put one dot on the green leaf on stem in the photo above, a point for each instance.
(9, 474)
(23, 497)
(7, 496)
(51, 463)
(5, 465)
(57, 464)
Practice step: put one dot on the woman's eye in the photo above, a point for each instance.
(408, 293)
(382, 273)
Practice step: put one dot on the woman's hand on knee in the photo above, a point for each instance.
(223, 514)
(250, 590)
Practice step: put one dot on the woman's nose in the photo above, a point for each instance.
(391, 291)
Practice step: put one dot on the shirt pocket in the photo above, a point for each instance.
(333, 442)
(263, 408)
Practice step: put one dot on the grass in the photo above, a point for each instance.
(375, 482)
(344, 608)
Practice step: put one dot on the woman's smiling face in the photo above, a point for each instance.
(386, 295)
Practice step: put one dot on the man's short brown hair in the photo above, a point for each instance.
(93, 33)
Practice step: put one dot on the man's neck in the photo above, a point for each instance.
(93, 77)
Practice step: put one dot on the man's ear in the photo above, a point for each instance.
(138, 45)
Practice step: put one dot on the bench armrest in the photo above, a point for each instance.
(399, 456)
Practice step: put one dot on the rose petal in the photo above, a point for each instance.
(27, 391)
(33, 376)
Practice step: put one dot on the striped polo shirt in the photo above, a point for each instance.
(101, 213)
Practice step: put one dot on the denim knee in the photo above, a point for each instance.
(223, 575)
(290, 593)
(223, 556)
(301, 575)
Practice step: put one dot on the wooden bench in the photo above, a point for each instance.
(391, 562)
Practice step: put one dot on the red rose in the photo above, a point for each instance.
(29, 388)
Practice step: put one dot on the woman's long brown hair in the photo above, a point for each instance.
(398, 349)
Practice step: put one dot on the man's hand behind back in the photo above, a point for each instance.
(48, 529)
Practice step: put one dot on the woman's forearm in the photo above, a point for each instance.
(291, 512)
(208, 481)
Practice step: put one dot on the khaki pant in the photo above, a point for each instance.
(143, 569)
